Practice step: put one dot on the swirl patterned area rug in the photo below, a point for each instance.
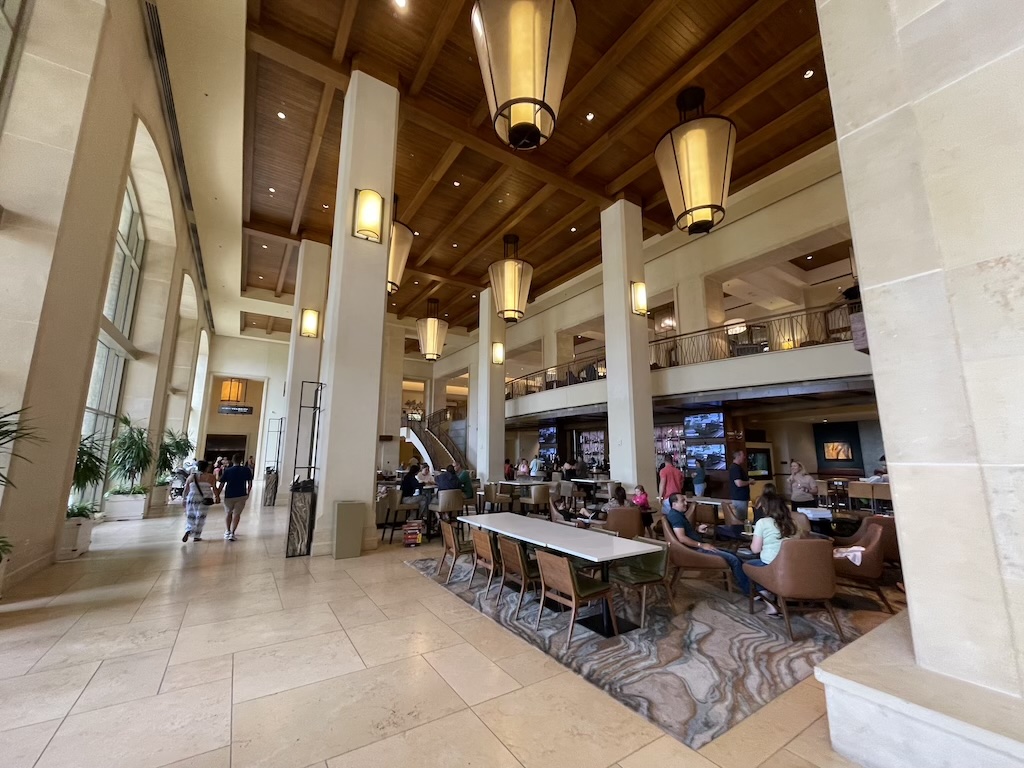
(695, 673)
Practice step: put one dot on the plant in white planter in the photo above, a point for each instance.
(131, 455)
(174, 448)
(77, 531)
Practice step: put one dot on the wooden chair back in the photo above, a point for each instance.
(626, 521)
(448, 536)
(450, 501)
(513, 557)
(483, 546)
(539, 495)
(556, 572)
(803, 570)
(565, 489)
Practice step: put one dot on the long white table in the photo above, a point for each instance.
(598, 548)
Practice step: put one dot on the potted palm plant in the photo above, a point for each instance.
(90, 471)
(131, 455)
(174, 448)
(13, 428)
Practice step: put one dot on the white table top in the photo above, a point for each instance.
(588, 545)
(815, 513)
(523, 483)
(590, 481)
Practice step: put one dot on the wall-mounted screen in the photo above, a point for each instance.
(838, 451)
(713, 455)
(704, 425)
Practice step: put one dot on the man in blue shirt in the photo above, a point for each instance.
(676, 516)
(234, 487)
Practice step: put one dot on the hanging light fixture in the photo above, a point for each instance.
(695, 163)
(510, 282)
(232, 391)
(431, 331)
(398, 253)
(524, 48)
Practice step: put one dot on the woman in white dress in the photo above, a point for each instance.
(200, 494)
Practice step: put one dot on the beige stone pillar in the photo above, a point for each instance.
(928, 112)
(389, 420)
(490, 394)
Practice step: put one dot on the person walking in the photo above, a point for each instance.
(235, 485)
(535, 466)
(700, 479)
(200, 493)
(670, 482)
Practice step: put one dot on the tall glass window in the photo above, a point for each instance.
(101, 406)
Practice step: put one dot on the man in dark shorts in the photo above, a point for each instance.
(234, 487)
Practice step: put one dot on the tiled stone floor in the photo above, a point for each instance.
(148, 652)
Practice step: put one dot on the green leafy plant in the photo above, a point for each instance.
(173, 447)
(5, 547)
(123, 489)
(131, 455)
(13, 427)
(83, 509)
(90, 468)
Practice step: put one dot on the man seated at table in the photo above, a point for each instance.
(465, 481)
(448, 480)
(676, 516)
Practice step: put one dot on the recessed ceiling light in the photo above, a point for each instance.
(263, 247)
(272, 189)
(326, 206)
(446, 314)
(415, 282)
(808, 74)
(416, 234)
(282, 115)
(590, 116)
(401, 3)
(260, 276)
(393, 304)
(809, 258)
(457, 183)
(455, 245)
(572, 229)
(500, 200)
(473, 296)
(825, 421)
(579, 337)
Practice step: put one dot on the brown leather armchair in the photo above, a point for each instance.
(890, 543)
(684, 558)
(803, 573)
(867, 575)
(627, 521)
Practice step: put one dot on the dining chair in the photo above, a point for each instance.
(448, 505)
(627, 521)
(396, 506)
(685, 559)
(484, 557)
(453, 547)
(516, 569)
(802, 574)
(538, 498)
(867, 575)
(562, 584)
(496, 499)
(647, 570)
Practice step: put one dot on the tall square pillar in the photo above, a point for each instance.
(630, 412)
(490, 394)
(356, 305)
(389, 422)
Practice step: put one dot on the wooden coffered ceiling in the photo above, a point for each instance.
(629, 61)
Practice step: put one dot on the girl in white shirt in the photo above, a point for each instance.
(769, 533)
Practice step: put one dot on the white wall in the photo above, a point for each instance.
(264, 361)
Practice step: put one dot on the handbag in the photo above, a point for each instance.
(207, 500)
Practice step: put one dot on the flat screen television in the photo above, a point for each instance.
(838, 450)
(704, 425)
(713, 455)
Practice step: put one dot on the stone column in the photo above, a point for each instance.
(698, 304)
(437, 398)
(926, 98)
(390, 418)
(630, 414)
(472, 413)
(356, 304)
(490, 394)
(556, 348)
(303, 354)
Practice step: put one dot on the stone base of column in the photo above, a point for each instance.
(884, 711)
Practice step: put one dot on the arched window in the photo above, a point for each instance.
(100, 418)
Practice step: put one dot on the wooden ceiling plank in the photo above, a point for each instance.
(427, 187)
(430, 274)
(811, 145)
(559, 226)
(506, 225)
(249, 132)
(270, 232)
(312, 155)
(245, 263)
(270, 323)
(567, 255)
(449, 16)
(632, 37)
(485, 193)
(785, 122)
(348, 16)
(565, 277)
(671, 86)
(481, 113)
(423, 295)
(447, 127)
(770, 77)
(297, 53)
(282, 271)
(253, 8)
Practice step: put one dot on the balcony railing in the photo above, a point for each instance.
(792, 330)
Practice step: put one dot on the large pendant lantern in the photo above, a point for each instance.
(695, 162)
(510, 282)
(524, 48)
(432, 331)
(398, 253)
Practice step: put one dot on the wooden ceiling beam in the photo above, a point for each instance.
(427, 187)
(589, 241)
(297, 53)
(270, 232)
(559, 226)
(249, 131)
(449, 16)
(344, 31)
(429, 274)
(447, 126)
(777, 163)
(565, 277)
(787, 121)
(506, 225)
(282, 271)
(323, 112)
(420, 296)
(252, 10)
(485, 193)
(457, 300)
(670, 87)
(481, 113)
(630, 39)
(270, 324)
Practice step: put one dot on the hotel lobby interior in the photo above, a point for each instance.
(603, 384)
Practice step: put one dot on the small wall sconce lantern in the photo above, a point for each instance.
(498, 353)
(368, 218)
(232, 391)
(638, 298)
(310, 325)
